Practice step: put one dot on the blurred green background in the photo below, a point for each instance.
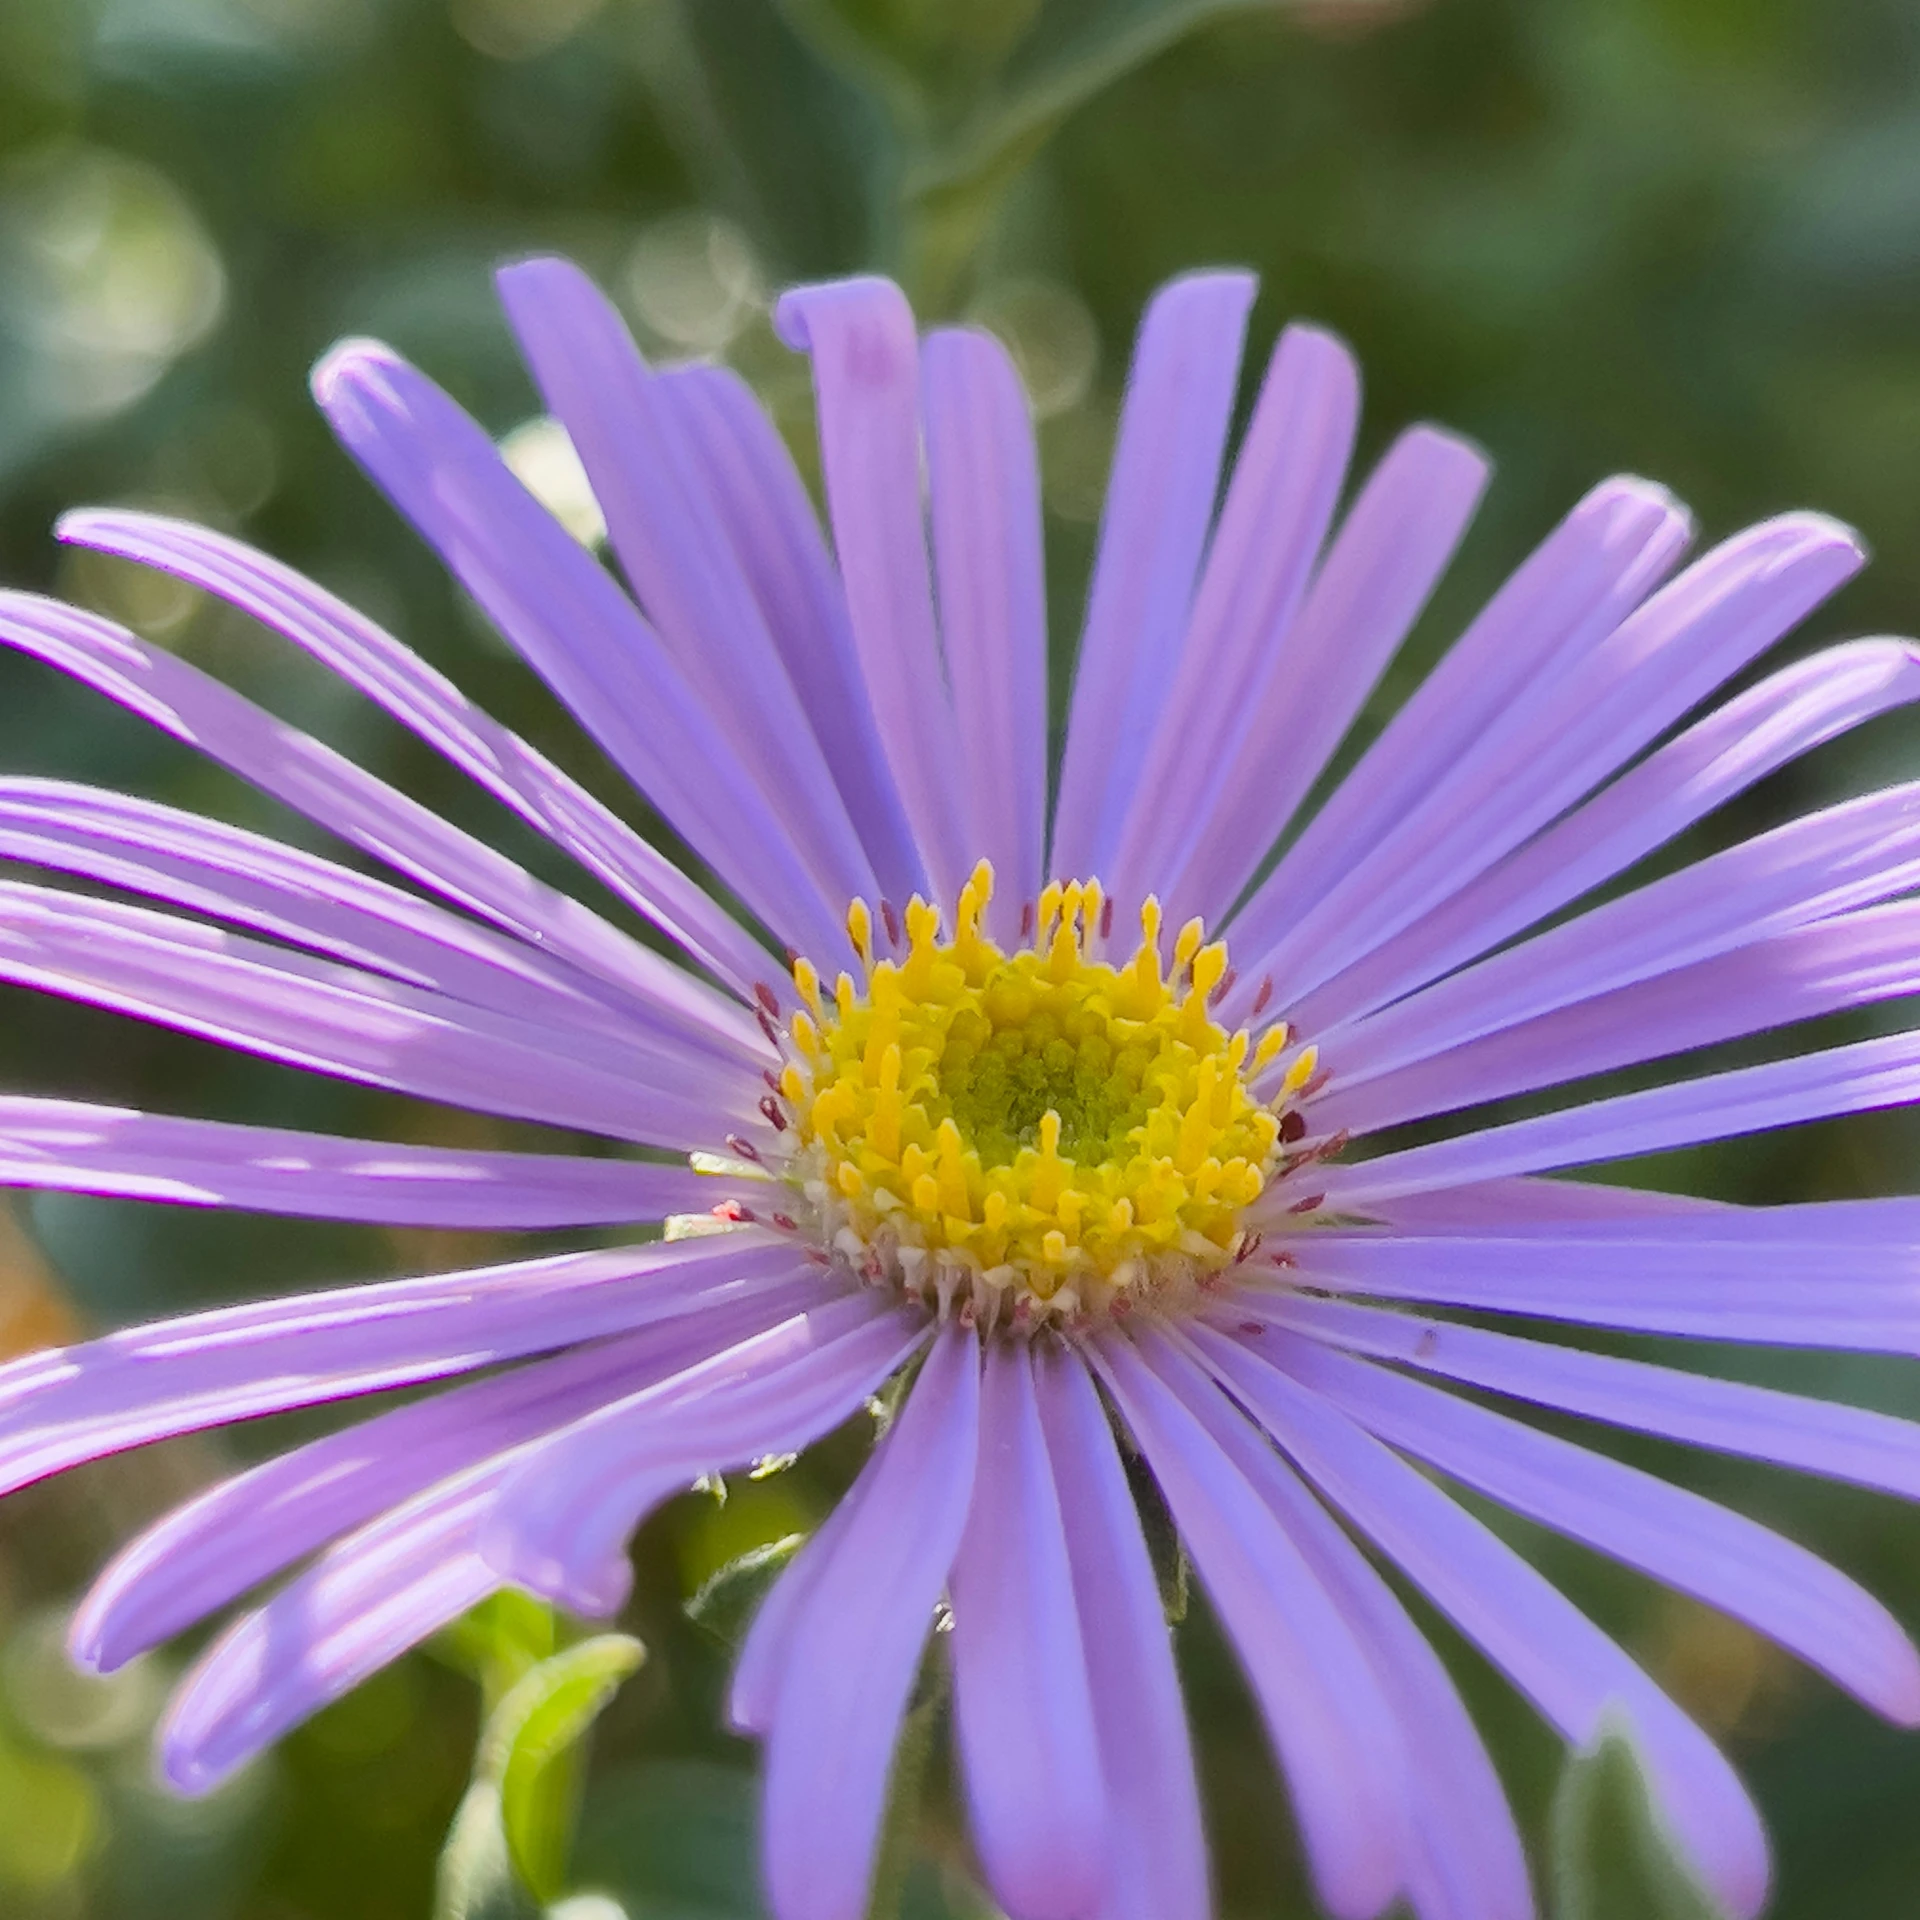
(1676, 236)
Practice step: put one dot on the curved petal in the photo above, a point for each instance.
(1322, 1705)
(1713, 1106)
(563, 1519)
(1278, 507)
(866, 373)
(1160, 499)
(1022, 1705)
(758, 498)
(334, 1019)
(1571, 1671)
(1391, 549)
(681, 564)
(1154, 1842)
(983, 481)
(347, 643)
(78, 1148)
(71, 1404)
(1680, 1539)
(585, 638)
(1841, 1442)
(1571, 592)
(856, 1642)
(315, 781)
(1741, 741)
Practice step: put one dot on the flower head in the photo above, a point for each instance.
(1009, 1124)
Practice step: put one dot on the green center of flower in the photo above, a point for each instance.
(1048, 1129)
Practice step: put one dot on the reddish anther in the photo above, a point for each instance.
(1265, 994)
(743, 1147)
(891, 921)
(776, 1119)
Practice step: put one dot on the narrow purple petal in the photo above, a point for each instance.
(758, 499)
(315, 781)
(1022, 1704)
(1820, 1276)
(680, 563)
(1273, 521)
(1566, 732)
(1571, 592)
(1496, 1206)
(564, 1517)
(983, 480)
(78, 1148)
(231, 874)
(1715, 1106)
(1742, 741)
(1160, 498)
(1329, 1725)
(71, 1404)
(1810, 869)
(204, 1555)
(1392, 547)
(334, 1019)
(1761, 1423)
(1465, 1862)
(583, 636)
(856, 1643)
(362, 1605)
(1571, 1671)
(866, 373)
(1154, 1842)
(1677, 1537)
(349, 644)
(1853, 960)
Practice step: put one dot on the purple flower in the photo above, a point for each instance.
(1030, 1132)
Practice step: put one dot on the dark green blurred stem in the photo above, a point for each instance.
(898, 1837)
(943, 223)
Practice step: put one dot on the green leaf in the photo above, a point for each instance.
(729, 1600)
(476, 1879)
(674, 1840)
(1611, 1857)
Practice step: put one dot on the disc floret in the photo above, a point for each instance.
(1035, 1133)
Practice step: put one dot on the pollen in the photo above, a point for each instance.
(1046, 1132)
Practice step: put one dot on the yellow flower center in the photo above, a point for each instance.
(1042, 1132)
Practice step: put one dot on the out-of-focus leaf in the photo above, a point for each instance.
(500, 1641)
(673, 1840)
(1611, 1860)
(509, 1840)
(728, 1601)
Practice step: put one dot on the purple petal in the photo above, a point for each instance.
(580, 633)
(1715, 1106)
(1572, 591)
(1023, 1709)
(1853, 960)
(679, 561)
(856, 1642)
(316, 781)
(1810, 869)
(1328, 1723)
(349, 644)
(359, 1607)
(758, 499)
(983, 477)
(1677, 1537)
(562, 1522)
(1392, 547)
(1738, 743)
(1785, 1429)
(234, 875)
(1570, 1670)
(1497, 1205)
(1154, 1842)
(78, 1148)
(1828, 1275)
(1160, 497)
(71, 1404)
(1568, 731)
(866, 374)
(333, 1019)
(204, 1555)
(1278, 507)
